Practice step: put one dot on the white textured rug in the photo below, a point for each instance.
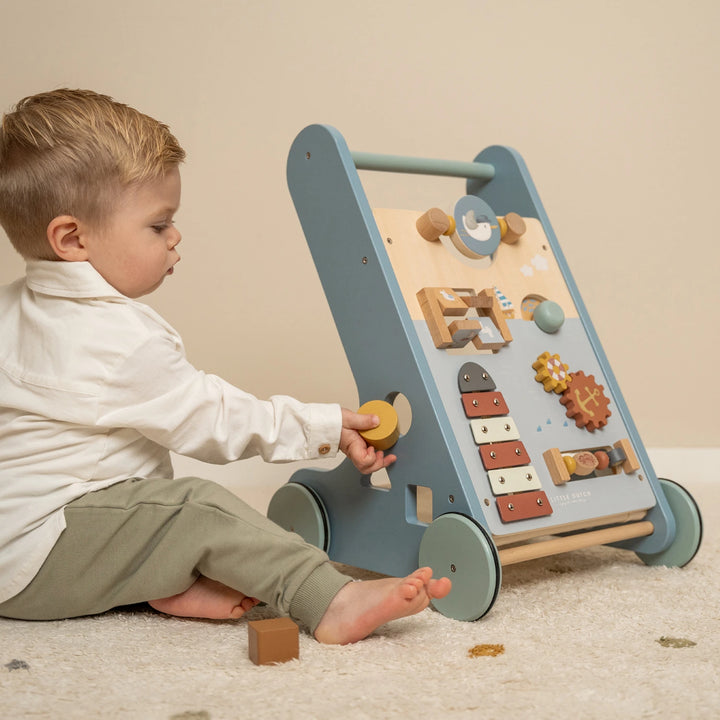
(581, 634)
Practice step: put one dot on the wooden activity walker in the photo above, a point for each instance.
(514, 441)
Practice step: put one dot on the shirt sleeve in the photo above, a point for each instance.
(156, 391)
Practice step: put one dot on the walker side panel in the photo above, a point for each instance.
(372, 528)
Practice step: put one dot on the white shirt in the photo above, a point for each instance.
(94, 389)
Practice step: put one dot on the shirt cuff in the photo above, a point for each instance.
(323, 431)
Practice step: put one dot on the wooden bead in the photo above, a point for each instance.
(570, 463)
(603, 459)
(585, 462)
(512, 226)
(432, 224)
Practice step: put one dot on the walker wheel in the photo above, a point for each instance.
(688, 528)
(456, 547)
(296, 508)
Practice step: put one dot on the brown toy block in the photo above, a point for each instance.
(273, 641)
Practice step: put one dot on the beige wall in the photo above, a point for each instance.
(613, 105)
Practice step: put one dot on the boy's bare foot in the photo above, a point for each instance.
(206, 598)
(361, 607)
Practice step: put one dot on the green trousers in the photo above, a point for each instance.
(146, 539)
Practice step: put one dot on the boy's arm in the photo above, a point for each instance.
(158, 393)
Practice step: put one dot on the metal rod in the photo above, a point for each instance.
(422, 166)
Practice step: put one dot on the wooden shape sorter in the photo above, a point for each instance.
(452, 295)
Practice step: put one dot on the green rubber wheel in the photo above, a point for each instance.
(298, 509)
(688, 528)
(456, 547)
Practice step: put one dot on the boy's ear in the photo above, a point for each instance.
(63, 234)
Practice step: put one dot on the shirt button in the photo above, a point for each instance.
(324, 449)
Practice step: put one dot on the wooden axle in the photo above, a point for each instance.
(557, 545)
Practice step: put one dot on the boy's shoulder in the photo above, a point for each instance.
(75, 294)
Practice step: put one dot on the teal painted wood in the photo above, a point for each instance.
(422, 166)
(369, 527)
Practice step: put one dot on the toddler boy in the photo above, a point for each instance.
(95, 391)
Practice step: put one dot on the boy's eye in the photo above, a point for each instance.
(161, 227)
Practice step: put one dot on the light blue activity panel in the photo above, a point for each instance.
(515, 440)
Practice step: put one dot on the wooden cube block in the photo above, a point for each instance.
(463, 331)
(273, 641)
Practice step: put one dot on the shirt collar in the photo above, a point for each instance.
(68, 279)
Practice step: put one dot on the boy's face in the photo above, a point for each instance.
(136, 250)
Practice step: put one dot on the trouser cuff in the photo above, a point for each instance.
(316, 593)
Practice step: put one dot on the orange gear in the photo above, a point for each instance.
(586, 402)
(552, 373)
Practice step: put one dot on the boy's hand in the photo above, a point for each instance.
(363, 456)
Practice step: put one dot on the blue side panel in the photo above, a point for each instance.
(370, 527)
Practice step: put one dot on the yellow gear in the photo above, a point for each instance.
(552, 373)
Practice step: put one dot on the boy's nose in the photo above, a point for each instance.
(174, 239)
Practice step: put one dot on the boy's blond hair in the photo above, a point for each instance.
(72, 152)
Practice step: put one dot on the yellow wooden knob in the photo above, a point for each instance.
(386, 434)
